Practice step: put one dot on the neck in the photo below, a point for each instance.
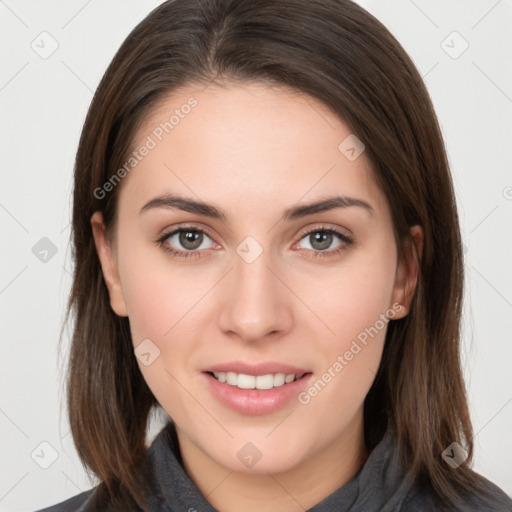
(295, 490)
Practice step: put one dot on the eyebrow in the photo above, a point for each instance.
(295, 212)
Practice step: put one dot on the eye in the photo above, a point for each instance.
(189, 241)
(185, 242)
(321, 240)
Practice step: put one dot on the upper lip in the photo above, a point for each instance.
(255, 369)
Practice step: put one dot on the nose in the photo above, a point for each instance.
(256, 304)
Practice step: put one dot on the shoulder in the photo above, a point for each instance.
(78, 503)
(98, 499)
(490, 498)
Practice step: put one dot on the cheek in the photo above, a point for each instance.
(355, 306)
(350, 358)
(149, 309)
(158, 296)
(160, 305)
(167, 305)
(352, 297)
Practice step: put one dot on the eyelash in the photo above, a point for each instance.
(346, 239)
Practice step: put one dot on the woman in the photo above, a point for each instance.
(267, 247)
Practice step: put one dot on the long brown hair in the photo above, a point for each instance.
(338, 53)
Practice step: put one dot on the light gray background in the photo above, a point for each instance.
(43, 105)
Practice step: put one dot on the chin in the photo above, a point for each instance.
(259, 458)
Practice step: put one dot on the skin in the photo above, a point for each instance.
(253, 151)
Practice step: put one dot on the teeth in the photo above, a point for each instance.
(243, 381)
(279, 379)
(264, 381)
(232, 378)
(246, 381)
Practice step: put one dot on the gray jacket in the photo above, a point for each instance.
(381, 485)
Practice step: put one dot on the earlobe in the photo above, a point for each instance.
(108, 265)
(407, 272)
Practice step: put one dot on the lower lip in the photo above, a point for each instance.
(255, 401)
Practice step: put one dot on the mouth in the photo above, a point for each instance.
(261, 382)
(250, 388)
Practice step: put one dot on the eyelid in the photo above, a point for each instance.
(324, 227)
(187, 225)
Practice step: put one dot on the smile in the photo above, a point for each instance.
(250, 388)
(245, 381)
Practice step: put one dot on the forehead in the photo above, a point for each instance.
(244, 144)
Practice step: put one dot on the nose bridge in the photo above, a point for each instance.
(255, 304)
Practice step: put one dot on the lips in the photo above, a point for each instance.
(255, 368)
(252, 388)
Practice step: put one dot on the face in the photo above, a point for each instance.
(286, 301)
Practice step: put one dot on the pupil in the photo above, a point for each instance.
(321, 240)
(191, 239)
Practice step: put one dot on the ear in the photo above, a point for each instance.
(108, 265)
(406, 277)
